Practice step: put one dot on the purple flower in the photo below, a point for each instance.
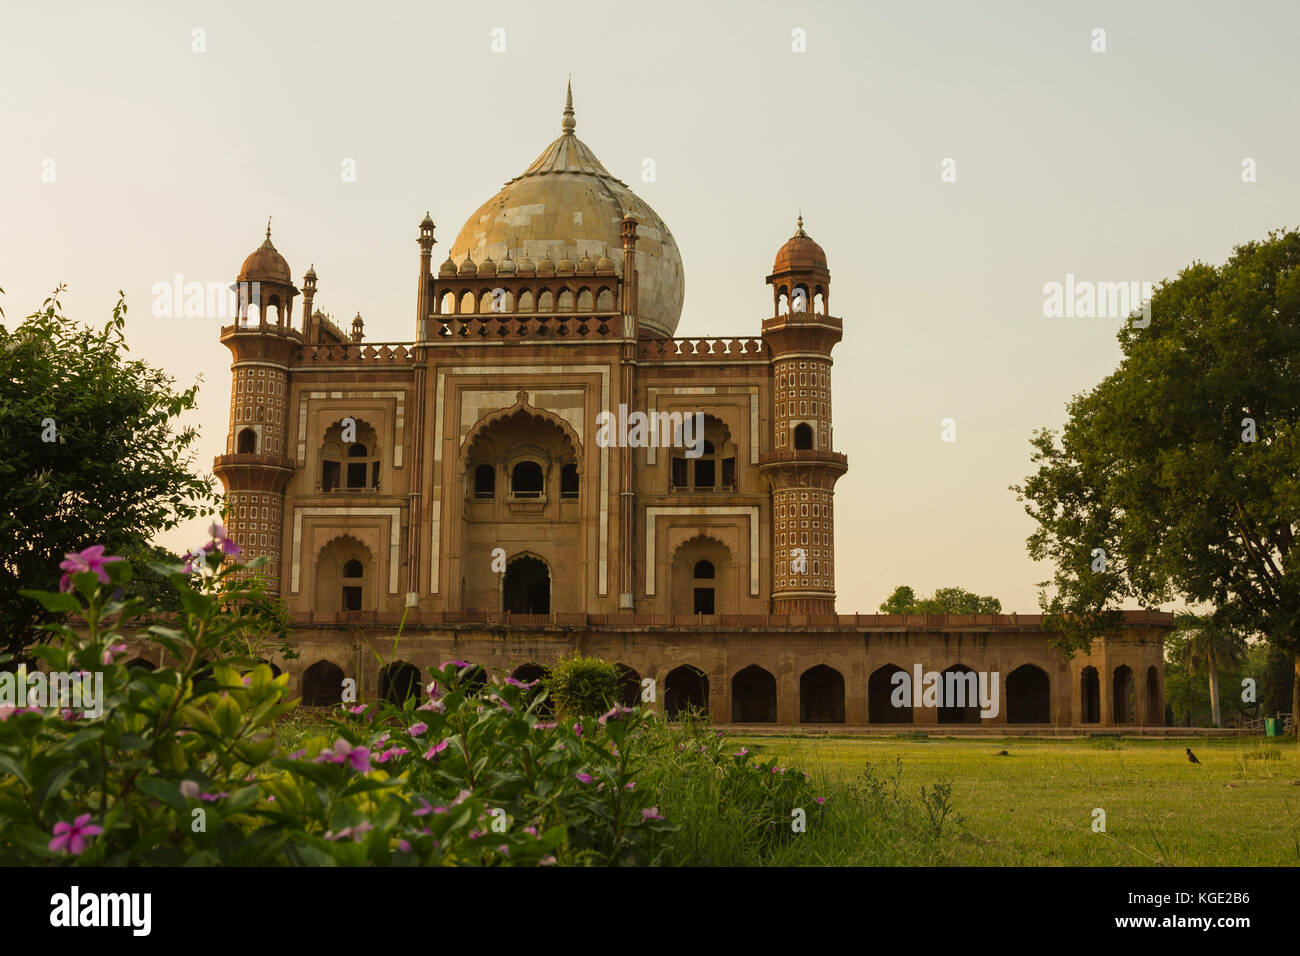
(503, 849)
(344, 752)
(462, 797)
(425, 810)
(630, 785)
(111, 651)
(221, 541)
(71, 837)
(532, 831)
(433, 690)
(446, 664)
(390, 753)
(196, 559)
(475, 834)
(297, 754)
(513, 682)
(436, 706)
(359, 709)
(742, 752)
(92, 559)
(404, 846)
(353, 832)
(651, 813)
(821, 800)
(417, 730)
(577, 729)
(545, 726)
(584, 777)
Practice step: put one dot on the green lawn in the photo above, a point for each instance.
(1241, 807)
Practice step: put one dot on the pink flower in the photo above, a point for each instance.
(434, 690)
(545, 726)
(195, 559)
(425, 810)
(435, 750)
(584, 777)
(503, 849)
(531, 831)
(577, 729)
(514, 682)
(71, 837)
(417, 730)
(404, 846)
(446, 664)
(390, 753)
(462, 797)
(92, 559)
(630, 785)
(821, 800)
(617, 712)
(742, 752)
(475, 834)
(221, 541)
(436, 706)
(353, 832)
(110, 652)
(359, 709)
(357, 757)
(651, 813)
(546, 861)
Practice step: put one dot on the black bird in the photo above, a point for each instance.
(1003, 753)
(1191, 756)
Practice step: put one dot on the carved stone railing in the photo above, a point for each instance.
(701, 349)
(485, 327)
(356, 353)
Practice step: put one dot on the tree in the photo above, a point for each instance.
(1179, 474)
(945, 601)
(90, 455)
(1202, 646)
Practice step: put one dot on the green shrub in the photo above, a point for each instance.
(582, 686)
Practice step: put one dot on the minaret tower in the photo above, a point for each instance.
(256, 466)
(802, 468)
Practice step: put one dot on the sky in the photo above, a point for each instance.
(953, 159)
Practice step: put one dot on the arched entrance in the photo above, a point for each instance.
(322, 685)
(880, 697)
(960, 692)
(1155, 708)
(1124, 706)
(686, 688)
(398, 681)
(527, 586)
(1089, 696)
(629, 686)
(753, 696)
(821, 696)
(1029, 696)
(530, 673)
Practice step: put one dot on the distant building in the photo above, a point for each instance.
(493, 480)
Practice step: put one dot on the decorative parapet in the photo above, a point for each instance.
(497, 326)
(701, 349)
(356, 353)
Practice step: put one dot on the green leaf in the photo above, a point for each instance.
(55, 603)
(164, 791)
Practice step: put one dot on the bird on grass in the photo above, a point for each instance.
(1003, 753)
(1191, 756)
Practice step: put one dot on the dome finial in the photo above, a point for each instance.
(799, 223)
(568, 124)
(268, 227)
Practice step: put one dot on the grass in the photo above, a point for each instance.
(1034, 807)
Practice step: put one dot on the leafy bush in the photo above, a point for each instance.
(180, 768)
(580, 686)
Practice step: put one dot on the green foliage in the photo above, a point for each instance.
(580, 686)
(944, 601)
(117, 472)
(1156, 468)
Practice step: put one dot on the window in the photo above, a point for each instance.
(703, 590)
(569, 481)
(704, 467)
(353, 571)
(247, 442)
(729, 472)
(679, 472)
(329, 475)
(351, 466)
(485, 481)
(357, 469)
(803, 437)
(526, 480)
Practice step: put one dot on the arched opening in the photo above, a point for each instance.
(803, 437)
(485, 481)
(1155, 712)
(753, 696)
(1124, 705)
(799, 299)
(247, 443)
(398, 681)
(466, 303)
(629, 686)
(474, 679)
(880, 697)
(141, 663)
(585, 300)
(322, 685)
(527, 586)
(1029, 696)
(526, 480)
(447, 304)
(533, 673)
(703, 587)
(782, 301)
(1089, 696)
(959, 696)
(525, 302)
(685, 689)
(605, 301)
(819, 302)
(569, 481)
(821, 696)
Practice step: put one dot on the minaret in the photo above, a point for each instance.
(256, 467)
(422, 304)
(802, 467)
(308, 297)
(627, 393)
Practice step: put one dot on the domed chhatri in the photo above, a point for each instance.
(265, 264)
(799, 253)
(567, 206)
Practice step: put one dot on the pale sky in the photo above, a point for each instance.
(1115, 166)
